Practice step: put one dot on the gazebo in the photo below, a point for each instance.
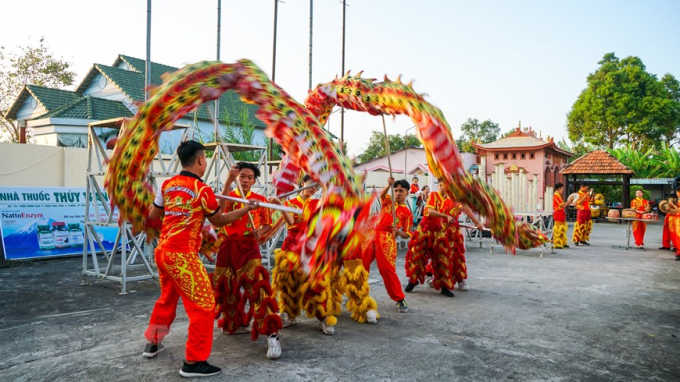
(601, 164)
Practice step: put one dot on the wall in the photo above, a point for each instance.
(34, 166)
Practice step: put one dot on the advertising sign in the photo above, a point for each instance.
(40, 222)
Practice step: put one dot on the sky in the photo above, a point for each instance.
(508, 61)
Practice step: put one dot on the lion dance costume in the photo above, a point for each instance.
(584, 223)
(239, 266)
(294, 292)
(560, 219)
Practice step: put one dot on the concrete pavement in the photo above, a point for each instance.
(586, 313)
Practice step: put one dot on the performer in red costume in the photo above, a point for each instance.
(239, 266)
(641, 206)
(674, 224)
(289, 281)
(451, 211)
(584, 222)
(382, 246)
(186, 201)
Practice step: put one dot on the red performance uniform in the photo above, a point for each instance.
(666, 235)
(239, 265)
(584, 222)
(674, 231)
(640, 205)
(186, 201)
(560, 220)
(382, 246)
(414, 188)
(431, 243)
(456, 243)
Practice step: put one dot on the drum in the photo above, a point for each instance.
(571, 200)
(629, 213)
(613, 215)
(648, 216)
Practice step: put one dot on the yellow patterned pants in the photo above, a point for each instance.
(582, 227)
(560, 234)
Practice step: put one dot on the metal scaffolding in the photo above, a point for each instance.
(119, 263)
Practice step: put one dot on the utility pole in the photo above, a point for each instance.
(276, 15)
(342, 111)
(217, 101)
(311, 14)
(147, 65)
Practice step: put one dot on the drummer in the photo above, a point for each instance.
(641, 206)
(584, 222)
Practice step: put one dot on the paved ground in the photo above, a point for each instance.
(586, 313)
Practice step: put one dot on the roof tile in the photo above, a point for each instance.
(597, 162)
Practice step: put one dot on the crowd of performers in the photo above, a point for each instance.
(436, 257)
(584, 224)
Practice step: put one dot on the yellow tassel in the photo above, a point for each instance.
(331, 320)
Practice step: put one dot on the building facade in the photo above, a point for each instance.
(523, 151)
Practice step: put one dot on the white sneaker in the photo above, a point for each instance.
(429, 280)
(286, 321)
(273, 347)
(372, 317)
(462, 286)
(330, 330)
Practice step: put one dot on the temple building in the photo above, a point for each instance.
(523, 152)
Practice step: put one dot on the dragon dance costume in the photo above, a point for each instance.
(186, 201)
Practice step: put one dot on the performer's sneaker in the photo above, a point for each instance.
(402, 307)
(462, 286)
(665, 248)
(330, 330)
(151, 350)
(198, 369)
(576, 243)
(409, 287)
(273, 347)
(566, 246)
(447, 292)
(429, 281)
(585, 243)
(286, 321)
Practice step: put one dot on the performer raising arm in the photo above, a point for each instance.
(641, 206)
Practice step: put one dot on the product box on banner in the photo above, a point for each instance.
(40, 222)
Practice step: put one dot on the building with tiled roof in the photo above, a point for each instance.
(60, 117)
(598, 164)
(522, 150)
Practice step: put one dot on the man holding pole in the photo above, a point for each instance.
(239, 265)
(393, 221)
(186, 201)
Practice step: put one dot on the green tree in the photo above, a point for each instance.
(669, 112)
(34, 65)
(579, 149)
(376, 145)
(620, 105)
(642, 162)
(668, 159)
(479, 132)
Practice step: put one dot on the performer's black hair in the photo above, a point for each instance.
(189, 151)
(402, 183)
(242, 165)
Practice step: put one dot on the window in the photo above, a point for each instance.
(524, 156)
(531, 155)
(505, 156)
(496, 157)
(514, 156)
